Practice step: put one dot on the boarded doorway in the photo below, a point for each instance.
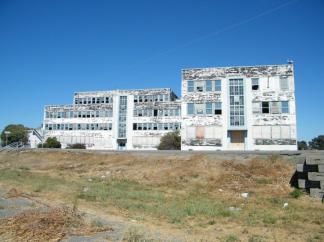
(237, 139)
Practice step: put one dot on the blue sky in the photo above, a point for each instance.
(50, 49)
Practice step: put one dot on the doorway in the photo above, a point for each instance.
(237, 139)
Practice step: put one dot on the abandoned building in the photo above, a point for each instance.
(222, 108)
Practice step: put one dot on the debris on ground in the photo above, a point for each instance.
(51, 224)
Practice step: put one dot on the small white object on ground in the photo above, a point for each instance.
(285, 205)
(221, 190)
(245, 194)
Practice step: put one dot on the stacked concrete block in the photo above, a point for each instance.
(311, 174)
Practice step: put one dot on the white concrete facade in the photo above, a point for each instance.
(222, 108)
(239, 108)
(98, 120)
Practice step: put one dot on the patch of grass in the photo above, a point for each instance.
(274, 158)
(269, 219)
(2, 207)
(255, 238)
(36, 182)
(211, 222)
(136, 234)
(141, 198)
(263, 181)
(24, 168)
(230, 238)
(296, 193)
(96, 224)
(314, 238)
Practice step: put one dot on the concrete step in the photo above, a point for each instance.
(316, 192)
(315, 159)
(307, 168)
(302, 183)
(316, 176)
(320, 168)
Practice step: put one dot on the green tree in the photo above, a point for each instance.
(302, 145)
(170, 141)
(15, 133)
(51, 142)
(317, 143)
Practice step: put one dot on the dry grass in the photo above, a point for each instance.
(185, 192)
(48, 225)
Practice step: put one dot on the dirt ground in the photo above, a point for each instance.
(160, 196)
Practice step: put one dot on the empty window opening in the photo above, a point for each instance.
(255, 84)
(265, 107)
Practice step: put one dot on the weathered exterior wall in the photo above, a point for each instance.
(94, 117)
(269, 91)
(95, 122)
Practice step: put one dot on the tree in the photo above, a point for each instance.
(317, 143)
(170, 141)
(51, 142)
(15, 133)
(76, 146)
(302, 145)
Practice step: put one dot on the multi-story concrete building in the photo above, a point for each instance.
(119, 119)
(239, 108)
(222, 108)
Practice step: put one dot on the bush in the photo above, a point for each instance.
(170, 141)
(296, 193)
(76, 146)
(51, 142)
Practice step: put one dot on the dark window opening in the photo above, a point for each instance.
(265, 107)
(155, 113)
(218, 111)
(200, 89)
(134, 126)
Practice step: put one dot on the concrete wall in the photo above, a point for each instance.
(282, 126)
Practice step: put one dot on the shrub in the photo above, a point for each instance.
(296, 193)
(76, 146)
(170, 141)
(51, 142)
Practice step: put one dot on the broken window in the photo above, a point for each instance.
(190, 108)
(255, 83)
(155, 126)
(284, 84)
(285, 107)
(256, 107)
(209, 108)
(134, 126)
(155, 113)
(199, 108)
(199, 86)
(265, 107)
(177, 112)
(218, 85)
(190, 85)
(209, 87)
(275, 107)
(218, 108)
